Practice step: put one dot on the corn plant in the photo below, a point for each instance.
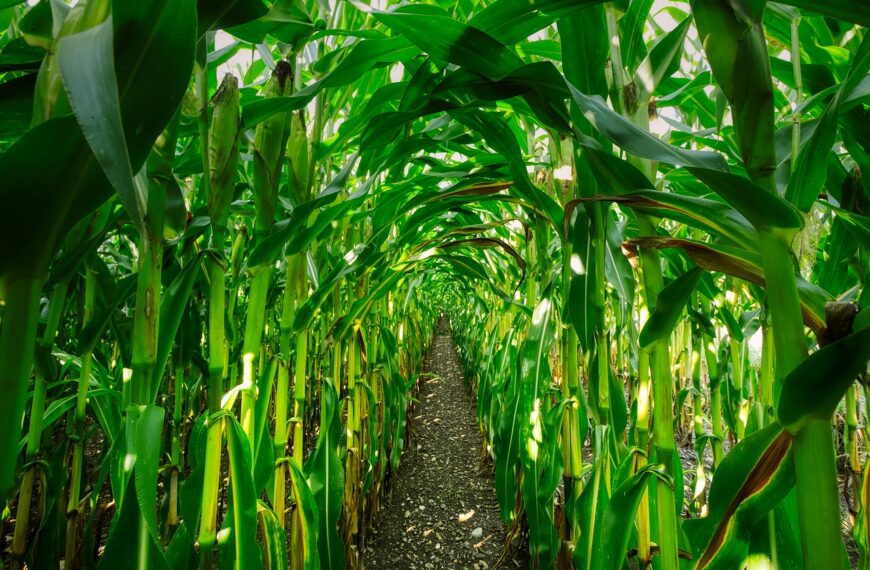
(231, 226)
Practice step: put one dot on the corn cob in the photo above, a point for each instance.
(223, 152)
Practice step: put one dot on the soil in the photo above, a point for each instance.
(443, 512)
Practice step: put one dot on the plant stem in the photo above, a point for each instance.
(147, 312)
(814, 458)
(76, 441)
(56, 305)
(301, 362)
(663, 425)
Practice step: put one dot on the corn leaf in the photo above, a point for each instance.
(669, 307)
(305, 518)
(242, 516)
(809, 174)
(733, 38)
(744, 264)
(846, 10)
(755, 476)
(436, 33)
(325, 475)
(510, 21)
(635, 140)
(619, 516)
(816, 386)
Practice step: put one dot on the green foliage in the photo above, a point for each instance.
(612, 202)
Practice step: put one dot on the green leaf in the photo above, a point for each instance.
(172, 308)
(242, 496)
(287, 21)
(133, 538)
(18, 55)
(16, 106)
(225, 13)
(663, 60)
(306, 520)
(52, 163)
(808, 177)
(733, 38)
(590, 508)
(538, 457)
(506, 452)
(635, 140)
(273, 536)
(631, 37)
(364, 55)
(579, 307)
(91, 333)
(754, 476)
(846, 10)
(510, 21)
(816, 386)
(436, 33)
(709, 215)
(88, 69)
(669, 307)
(617, 267)
(620, 514)
(857, 224)
(264, 450)
(765, 210)
(501, 138)
(325, 474)
(295, 233)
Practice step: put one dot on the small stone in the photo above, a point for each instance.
(477, 533)
(407, 514)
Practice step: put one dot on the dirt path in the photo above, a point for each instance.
(443, 513)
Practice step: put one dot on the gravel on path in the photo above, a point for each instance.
(443, 513)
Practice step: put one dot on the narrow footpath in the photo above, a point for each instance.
(443, 513)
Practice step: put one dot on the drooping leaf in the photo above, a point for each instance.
(745, 265)
(765, 210)
(44, 202)
(637, 141)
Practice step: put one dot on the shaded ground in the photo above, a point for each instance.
(443, 512)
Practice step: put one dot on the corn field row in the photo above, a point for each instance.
(230, 227)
